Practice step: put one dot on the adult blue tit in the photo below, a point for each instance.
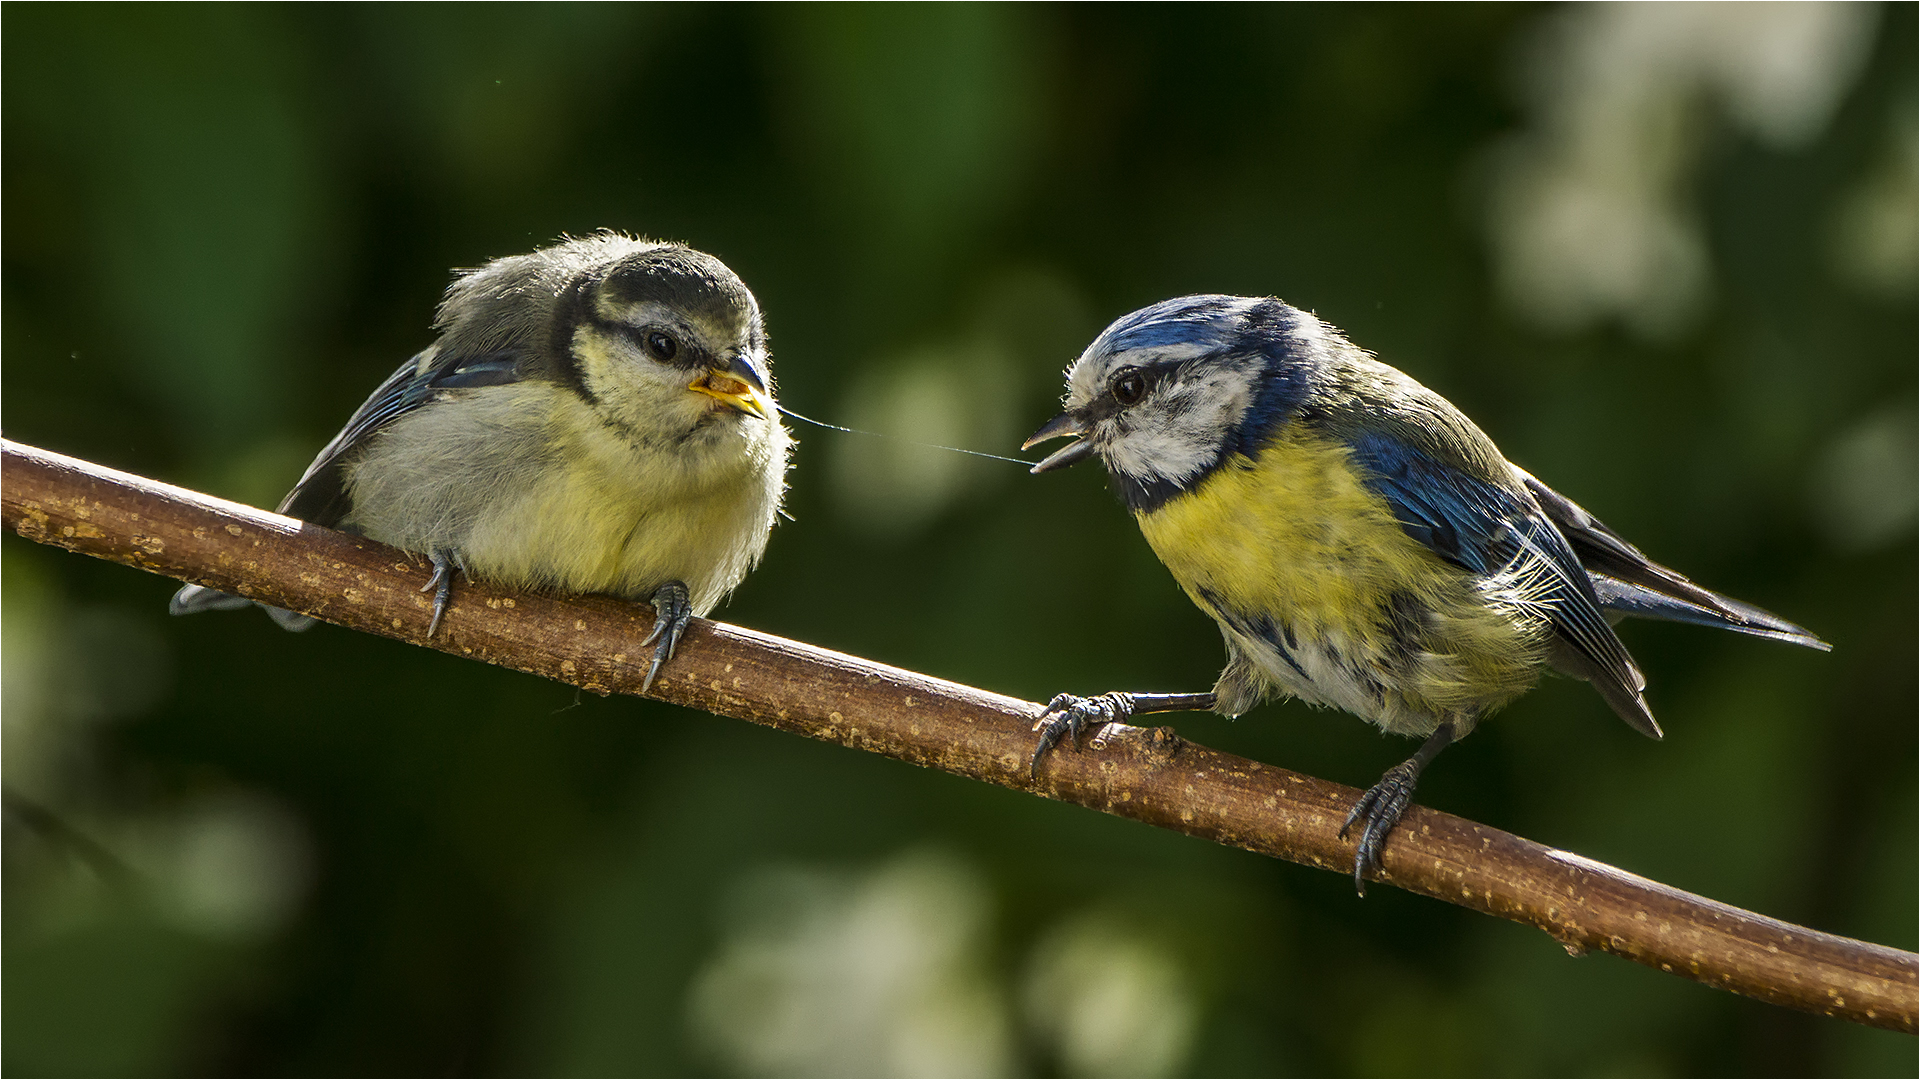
(1360, 542)
(595, 417)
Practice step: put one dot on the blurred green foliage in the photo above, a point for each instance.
(233, 850)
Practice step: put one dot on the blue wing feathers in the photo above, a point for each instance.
(1483, 528)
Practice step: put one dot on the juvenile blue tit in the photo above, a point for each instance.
(1360, 542)
(596, 417)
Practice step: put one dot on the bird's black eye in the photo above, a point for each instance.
(1129, 386)
(661, 346)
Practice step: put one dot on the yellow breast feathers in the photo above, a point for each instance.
(1292, 532)
(1293, 535)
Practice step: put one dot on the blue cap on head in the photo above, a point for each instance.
(1208, 321)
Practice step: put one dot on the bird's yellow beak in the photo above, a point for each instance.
(733, 392)
(1072, 453)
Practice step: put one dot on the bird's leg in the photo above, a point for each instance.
(1068, 715)
(441, 585)
(672, 611)
(1380, 808)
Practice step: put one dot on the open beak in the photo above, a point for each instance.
(737, 386)
(1064, 424)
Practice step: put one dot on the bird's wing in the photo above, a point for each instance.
(1487, 528)
(320, 496)
(1629, 583)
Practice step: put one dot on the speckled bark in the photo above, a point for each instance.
(1147, 774)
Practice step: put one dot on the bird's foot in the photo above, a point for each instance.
(441, 585)
(1379, 811)
(1068, 715)
(1380, 808)
(672, 611)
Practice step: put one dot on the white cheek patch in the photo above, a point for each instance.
(1180, 430)
(648, 400)
(1216, 398)
(1158, 444)
(609, 363)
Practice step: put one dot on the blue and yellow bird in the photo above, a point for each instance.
(1360, 542)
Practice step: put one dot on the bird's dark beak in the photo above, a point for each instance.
(1064, 424)
(743, 367)
(739, 386)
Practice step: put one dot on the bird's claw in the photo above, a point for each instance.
(1379, 810)
(1068, 715)
(441, 585)
(672, 611)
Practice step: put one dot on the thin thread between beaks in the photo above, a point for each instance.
(784, 411)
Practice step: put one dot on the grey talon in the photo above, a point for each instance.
(1067, 716)
(1381, 807)
(673, 610)
(441, 585)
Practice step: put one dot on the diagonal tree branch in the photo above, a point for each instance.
(1147, 774)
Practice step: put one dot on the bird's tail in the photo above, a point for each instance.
(1684, 602)
(1630, 584)
(194, 599)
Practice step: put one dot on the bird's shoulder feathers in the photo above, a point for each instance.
(320, 496)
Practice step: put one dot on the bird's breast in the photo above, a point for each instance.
(1314, 581)
(1293, 530)
(531, 490)
(622, 519)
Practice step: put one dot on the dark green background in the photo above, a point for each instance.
(223, 225)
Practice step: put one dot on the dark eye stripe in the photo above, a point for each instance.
(689, 354)
(1153, 374)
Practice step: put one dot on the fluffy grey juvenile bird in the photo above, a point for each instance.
(596, 417)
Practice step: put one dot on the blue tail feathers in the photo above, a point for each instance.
(1625, 598)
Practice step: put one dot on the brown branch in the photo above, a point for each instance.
(1148, 774)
